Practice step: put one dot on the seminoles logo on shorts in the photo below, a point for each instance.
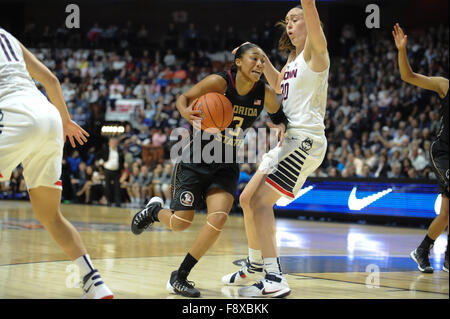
(186, 198)
(307, 144)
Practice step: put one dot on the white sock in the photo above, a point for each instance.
(84, 263)
(272, 266)
(255, 257)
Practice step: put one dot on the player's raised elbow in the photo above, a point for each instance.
(407, 77)
(49, 79)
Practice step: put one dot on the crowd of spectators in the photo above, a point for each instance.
(377, 126)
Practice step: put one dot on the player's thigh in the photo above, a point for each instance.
(264, 195)
(219, 200)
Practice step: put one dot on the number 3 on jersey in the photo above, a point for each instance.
(7, 48)
(237, 130)
(285, 90)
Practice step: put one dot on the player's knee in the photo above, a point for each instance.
(245, 199)
(178, 223)
(51, 219)
(180, 226)
(217, 220)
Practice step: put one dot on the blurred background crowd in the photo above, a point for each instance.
(377, 126)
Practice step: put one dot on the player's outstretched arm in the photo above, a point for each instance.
(313, 27)
(433, 83)
(51, 84)
(316, 42)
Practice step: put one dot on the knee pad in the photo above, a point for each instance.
(178, 223)
(216, 220)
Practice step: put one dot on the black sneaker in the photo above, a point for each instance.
(147, 216)
(420, 256)
(445, 267)
(180, 285)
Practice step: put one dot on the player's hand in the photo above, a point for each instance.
(237, 48)
(74, 132)
(191, 115)
(280, 128)
(399, 37)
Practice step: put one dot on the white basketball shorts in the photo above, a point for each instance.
(31, 133)
(289, 165)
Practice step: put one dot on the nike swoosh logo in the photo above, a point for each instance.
(264, 292)
(89, 288)
(283, 201)
(360, 203)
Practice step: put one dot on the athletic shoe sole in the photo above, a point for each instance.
(283, 293)
(172, 290)
(413, 257)
(134, 228)
(278, 294)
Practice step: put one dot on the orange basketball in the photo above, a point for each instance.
(217, 111)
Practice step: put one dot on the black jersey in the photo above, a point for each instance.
(222, 147)
(443, 129)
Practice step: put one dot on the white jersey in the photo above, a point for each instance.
(304, 97)
(14, 76)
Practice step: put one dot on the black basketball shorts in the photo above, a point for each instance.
(439, 160)
(192, 182)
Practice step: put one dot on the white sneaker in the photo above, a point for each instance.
(247, 275)
(95, 288)
(274, 286)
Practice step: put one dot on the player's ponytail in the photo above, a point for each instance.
(285, 45)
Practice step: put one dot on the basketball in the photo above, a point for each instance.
(217, 111)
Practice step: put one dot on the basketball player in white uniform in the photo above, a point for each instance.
(303, 83)
(32, 132)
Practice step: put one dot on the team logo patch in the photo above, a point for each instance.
(307, 144)
(186, 198)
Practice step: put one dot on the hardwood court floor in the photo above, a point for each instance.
(321, 260)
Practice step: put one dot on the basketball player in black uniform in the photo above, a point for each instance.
(439, 152)
(212, 178)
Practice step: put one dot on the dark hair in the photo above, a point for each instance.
(240, 52)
